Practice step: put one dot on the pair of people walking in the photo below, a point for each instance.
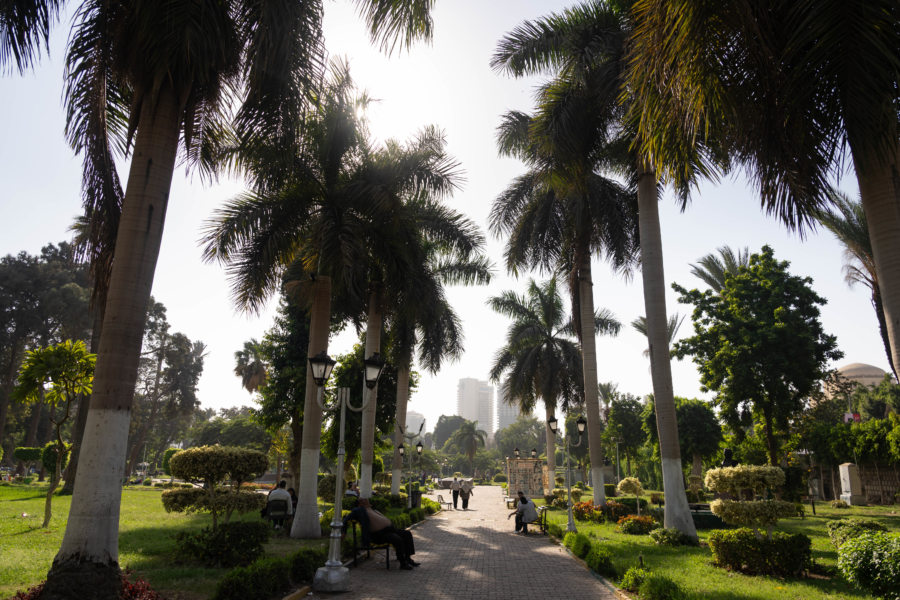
(461, 490)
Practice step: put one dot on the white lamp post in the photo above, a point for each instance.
(334, 576)
(580, 423)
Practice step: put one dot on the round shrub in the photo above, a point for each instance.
(613, 511)
(578, 543)
(48, 457)
(761, 514)
(499, 478)
(576, 495)
(839, 504)
(636, 525)
(558, 492)
(167, 456)
(732, 480)
(844, 529)
(305, 561)
(599, 560)
(325, 491)
(633, 578)
(673, 537)
(659, 587)
(147, 482)
(630, 486)
(215, 464)
(872, 562)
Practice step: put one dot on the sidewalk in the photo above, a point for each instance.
(476, 555)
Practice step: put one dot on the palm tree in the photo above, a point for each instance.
(672, 327)
(784, 83)
(467, 439)
(712, 269)
(540, 361)
(26, 25)
(585, 47)
(250, 365)
(847, 221)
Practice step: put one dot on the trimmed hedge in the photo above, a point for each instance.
(631, 503)
(636, 525)
(599, 560)
(325, 489)
(578, 543)
(660, 587)
(261, 580)
(609, 489)
(231, 544)
(731, 480)
(844, 529)
(48, 458)
(499, 478)
(872, 562)
(761, 514)
(633, 578)
(305, 561)
(741, 550)
(673, 537)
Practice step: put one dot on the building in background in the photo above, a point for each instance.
(414, 421)
(475, 402)
(506, 414)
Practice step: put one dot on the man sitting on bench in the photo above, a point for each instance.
(525, 512)
(377, 528)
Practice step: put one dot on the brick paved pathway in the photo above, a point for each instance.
(476, 555)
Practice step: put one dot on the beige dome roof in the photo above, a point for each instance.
(862, 373)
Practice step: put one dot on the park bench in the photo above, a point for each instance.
(277, 512)
(357, 548)
(441, 501)
(542, 518)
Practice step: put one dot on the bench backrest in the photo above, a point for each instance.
(441, 498)
(277, 508)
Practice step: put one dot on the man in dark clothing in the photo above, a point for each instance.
(377, 528)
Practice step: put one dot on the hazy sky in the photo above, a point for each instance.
(448, 84)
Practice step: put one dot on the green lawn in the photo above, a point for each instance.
(692, 567)
(146, 541)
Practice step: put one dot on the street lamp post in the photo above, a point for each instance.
(402, 450)
(618, 474)
(334, 576)
(554, 426)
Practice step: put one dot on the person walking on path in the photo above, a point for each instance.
(455, 487)
(526, 512)
(465, 491)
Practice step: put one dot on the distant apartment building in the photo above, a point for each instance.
(475, 402)
(414, 421)
(506, 414)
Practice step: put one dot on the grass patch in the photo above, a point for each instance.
(691, 567)
(146, 541)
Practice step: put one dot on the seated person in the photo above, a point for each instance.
(526, 512)
(352, 489)
(280, 493)
(377, 529)
(294, 499)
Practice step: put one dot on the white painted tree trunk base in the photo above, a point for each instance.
(306, 519)
(597, 481)
(365, 480)
(92, 530)
(396, 476)
(677, 511)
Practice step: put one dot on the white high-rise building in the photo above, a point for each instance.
(414, 421)
(506, 414)
(475, 402)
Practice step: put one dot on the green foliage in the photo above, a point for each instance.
(578, 543)
(636, 525)
(576, 495)
(633, 578)
(631, 486)
(48, 457)
(660, 587)
(167, 457)
(631, 504)
(741, 550)
(609, 489)
(732, 480)
(192, 499)
(624, 423)
(759, 345)
(707, 520)
(325, 489)
(838, 503)
(305, 561)
(430, 506)
(844, 529)
(872, 562)
(264, 579)
(599, 560)
(213, 464)
(699, 430)
(229, 545)
(555, 530)
(672, 537)
(239, 430)
(498, 478)
(614, 510)
(756, 513)
(27, 454)
(586, 511)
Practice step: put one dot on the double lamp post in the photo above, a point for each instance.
(334, 576)
(580, 423)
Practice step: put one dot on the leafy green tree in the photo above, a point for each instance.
(466, 440)
(759, 345)
(623, 423)
(445, 427)
(250, 365)
(875, 402)
(872, 445)
(526, 433)
(699, 431)
(67, 369)
(239, 429)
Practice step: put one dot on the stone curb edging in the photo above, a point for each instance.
(298, 593)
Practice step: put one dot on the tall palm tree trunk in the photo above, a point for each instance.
(591, 392)
(677, 512)
(367, 444)
(402, 400)
(551, 450)
(879, 189)
(878, 305)
(87, 562)
(306, 517)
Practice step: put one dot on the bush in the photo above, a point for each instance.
(191, 500)
(147, 482)
(558, 492)
(430, 506)
(325, 489)
(400, 520)
(167, 456)
(659, 587)
(28, 454)
(560, 503)
(673, 537)
(631, 486)
(397, 500)
(657, 498)
(382, 488)
(349, 502)
(262, 580)
(578, 543)
(325, 520)
(872, 562)
(137, 590)
(707, 520)
(741, 550)
(229, 545)
(761, 514)
(839, 504)
(579, 485)
(844, 529)
(555, 530)
(609, 489)
(576, 495)
(548, 499)
(48, 458)
(305, 561)
(599, 560)
(499, 478)
(633, 578)
(632, 503)
(732, 480)
(613, 511)
(585, 511)
(636, 525)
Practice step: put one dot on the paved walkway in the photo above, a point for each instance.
(476, 555)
